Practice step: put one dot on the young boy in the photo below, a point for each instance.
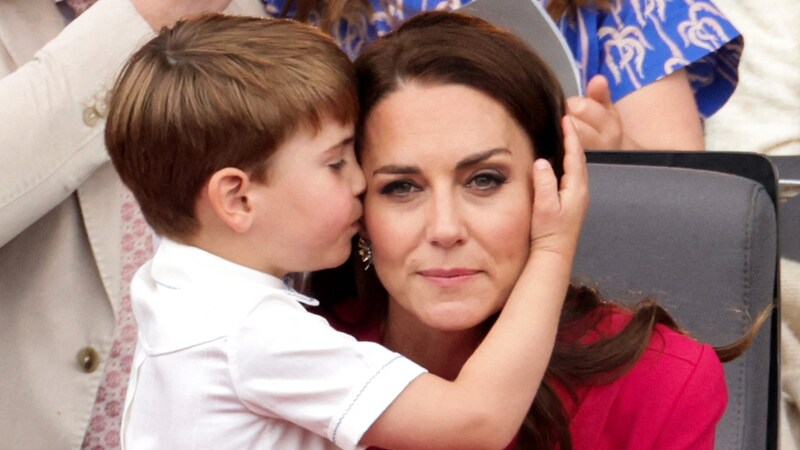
(236, 137)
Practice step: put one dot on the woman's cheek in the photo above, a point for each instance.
(512, 243)
(385, 229)
(391, 238)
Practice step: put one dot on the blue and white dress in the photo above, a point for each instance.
(633, 44)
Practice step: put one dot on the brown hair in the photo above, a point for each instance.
(445, 48)
(450, 48)
(331, 11)
(558, 8)
(328, 11)
(218, 91)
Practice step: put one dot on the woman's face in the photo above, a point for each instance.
(448, 202)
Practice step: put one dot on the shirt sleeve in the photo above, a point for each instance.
(53, 112)
(641, 42)
(290, 364)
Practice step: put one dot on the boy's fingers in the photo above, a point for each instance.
(545, 187)
(574, 195)
(575, 168)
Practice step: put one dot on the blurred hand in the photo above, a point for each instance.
(164, 13)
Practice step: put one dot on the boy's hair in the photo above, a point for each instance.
(218, 91)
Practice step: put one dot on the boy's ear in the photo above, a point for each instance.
(228, 192)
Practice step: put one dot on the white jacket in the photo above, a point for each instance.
(59, 213)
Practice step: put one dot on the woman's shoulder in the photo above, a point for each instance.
(681, 349)
(671, 359)
(678, 365)
(674, 395)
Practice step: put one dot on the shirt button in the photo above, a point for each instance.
(88, 359)
(90, 116)
(101, 104)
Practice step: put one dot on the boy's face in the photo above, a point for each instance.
(311, 208)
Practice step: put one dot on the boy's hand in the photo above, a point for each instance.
(164, 13)
(558, 213)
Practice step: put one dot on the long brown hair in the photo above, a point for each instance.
(328, 11)
(558, 8)
(331, 11)
(448, 48)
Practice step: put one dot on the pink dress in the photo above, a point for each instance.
(672, 398)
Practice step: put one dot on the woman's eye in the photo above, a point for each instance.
(399, 188)
(337, 165)
(485, 181)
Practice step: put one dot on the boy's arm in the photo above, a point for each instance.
(486, 404)
(52, 114)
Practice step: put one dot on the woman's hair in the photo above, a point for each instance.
(447, 48)
(439, 48)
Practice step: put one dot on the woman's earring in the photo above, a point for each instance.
(365, 252)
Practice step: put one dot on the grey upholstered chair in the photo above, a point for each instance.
(703, 243)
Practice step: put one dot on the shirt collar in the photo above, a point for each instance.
(186, 296)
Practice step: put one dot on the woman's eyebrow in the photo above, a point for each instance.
(480, 157)
(395, 169)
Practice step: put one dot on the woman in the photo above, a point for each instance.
(673, 60)
(445, 144)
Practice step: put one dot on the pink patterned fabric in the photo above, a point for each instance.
(137, 247)
(79, 6)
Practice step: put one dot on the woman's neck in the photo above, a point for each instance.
(442, 353)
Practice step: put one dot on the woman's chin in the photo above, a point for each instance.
(453, 321)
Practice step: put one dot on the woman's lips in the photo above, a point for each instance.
(448, 277)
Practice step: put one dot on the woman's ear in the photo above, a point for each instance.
(229, 192)
(362, 231)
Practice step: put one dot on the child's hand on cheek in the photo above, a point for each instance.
(558, 213)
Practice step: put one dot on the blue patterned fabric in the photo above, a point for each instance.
(641, 41)
(634, 44)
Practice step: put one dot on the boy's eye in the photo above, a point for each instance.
(487, 180)
(337, 165)
(400, 188)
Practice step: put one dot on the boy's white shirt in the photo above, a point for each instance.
(227, 357)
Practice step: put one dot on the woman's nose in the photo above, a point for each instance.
(445, 222)
(357, 181)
